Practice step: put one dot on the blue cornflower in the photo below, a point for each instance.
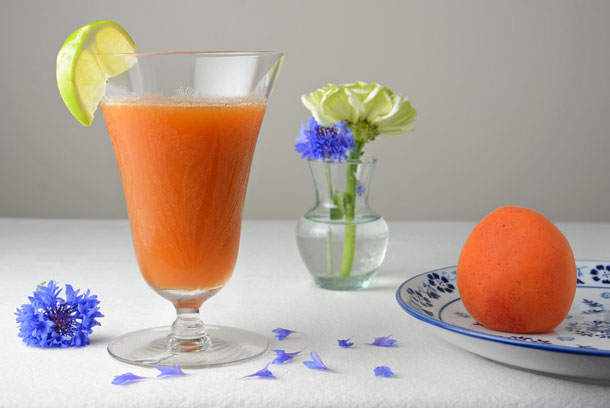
(263, 373)
(50, 321)
(170, 371)
(281, 334)
(384, 341)
(324, 143)
(283, 356)
(126, 379)
(316, 362)
(383, 371)
(345, 343)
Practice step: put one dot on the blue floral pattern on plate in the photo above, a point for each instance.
(441, 282)
(433, 297)
(601, 274)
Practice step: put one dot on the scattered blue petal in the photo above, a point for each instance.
(385, 341)
(283, 357)
(127, 378)
(316, 362)
(325, 143)
(281, 334)
(264, 373)
(360, 190)
(345, 343)
(166, 371)
(383, 371)
(51, 321)
(170, 371)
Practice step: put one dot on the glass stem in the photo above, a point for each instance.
(188, 333)
(349, 245)
(329, 234)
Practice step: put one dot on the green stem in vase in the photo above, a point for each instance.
(351, 182)
(329, 234)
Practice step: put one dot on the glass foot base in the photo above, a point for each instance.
(149, 348)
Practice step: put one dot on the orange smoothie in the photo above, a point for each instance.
(184, 164)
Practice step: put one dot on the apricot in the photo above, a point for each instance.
(516, 272)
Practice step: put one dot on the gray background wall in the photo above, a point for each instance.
(513, 100)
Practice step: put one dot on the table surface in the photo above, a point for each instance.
(270, 288)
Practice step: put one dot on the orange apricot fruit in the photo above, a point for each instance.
(516, 272)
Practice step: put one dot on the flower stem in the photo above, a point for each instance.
(349, 245)
(329, 234)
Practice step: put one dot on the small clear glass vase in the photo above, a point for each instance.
(342, 241)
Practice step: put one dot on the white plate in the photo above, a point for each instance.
(578, 349)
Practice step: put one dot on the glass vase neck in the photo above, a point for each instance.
(333, 194)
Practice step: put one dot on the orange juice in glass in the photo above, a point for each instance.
(186, 173)
(183, 128)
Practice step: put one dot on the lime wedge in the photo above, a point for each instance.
(83, 65)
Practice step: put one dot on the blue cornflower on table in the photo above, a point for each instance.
(126, 379)
(383, 371)
(385, 341)
(51, 321)
(325, 143)
(170, 371)
(283, 356)
(346, 343)
(316, 362)
(262, 373)
(281, 333)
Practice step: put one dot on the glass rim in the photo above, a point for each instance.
(202, 53)
(364, 160)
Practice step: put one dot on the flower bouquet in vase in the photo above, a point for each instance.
(341, 239)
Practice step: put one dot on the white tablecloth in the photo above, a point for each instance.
(270, 288)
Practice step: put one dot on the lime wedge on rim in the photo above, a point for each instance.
(84, 65)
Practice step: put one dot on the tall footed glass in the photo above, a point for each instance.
(183, 128)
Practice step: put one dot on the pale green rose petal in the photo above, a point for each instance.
(313, 102)
(361, 89)
(322, 118)
(362, 103)
(315, 98)
(336, 104)
(378, 103)
(366, 86)
(400, 120)
(357, 106)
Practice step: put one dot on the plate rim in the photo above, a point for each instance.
(491, 337)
